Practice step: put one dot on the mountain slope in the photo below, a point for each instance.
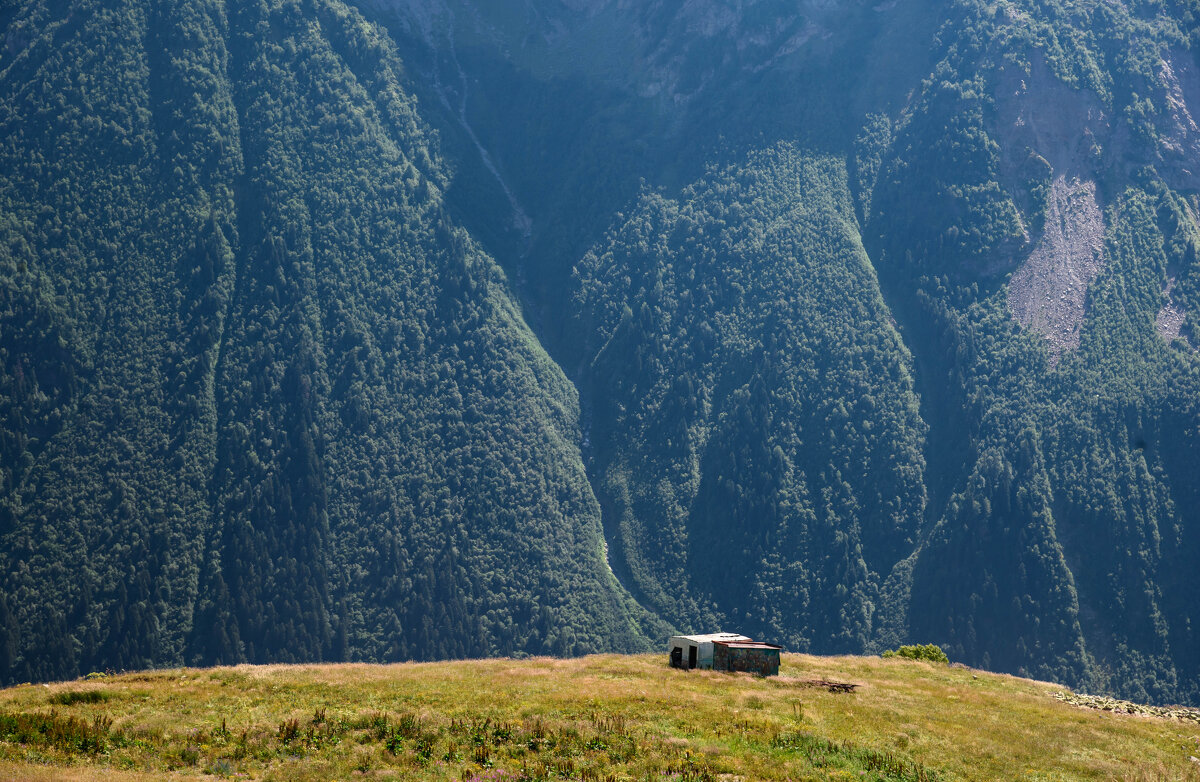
(756, 438)
(1023, 179)
(1036, 263)
(263, 400)
(867, 323)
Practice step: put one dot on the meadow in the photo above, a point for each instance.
(605, 717)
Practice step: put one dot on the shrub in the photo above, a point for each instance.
(931, 652)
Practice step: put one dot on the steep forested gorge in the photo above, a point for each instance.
(862, 323)
(263, 400)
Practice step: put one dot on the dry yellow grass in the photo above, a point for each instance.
(595, 718)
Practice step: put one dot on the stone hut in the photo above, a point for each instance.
(748, 656)
(723, 652)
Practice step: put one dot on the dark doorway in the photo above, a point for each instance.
(677, 657)
(691, 657)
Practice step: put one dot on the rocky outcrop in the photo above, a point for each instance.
(1036, 111)
(1101, 703)
(1179, 140)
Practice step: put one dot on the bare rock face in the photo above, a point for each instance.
(746, 35)
(1048, 293)
(1179, 145)
(1040, 115)
(1066, 126)
(707, 19)
(419, 17)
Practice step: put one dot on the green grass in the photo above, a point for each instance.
(594, 718)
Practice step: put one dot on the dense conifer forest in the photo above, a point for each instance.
(422, 329)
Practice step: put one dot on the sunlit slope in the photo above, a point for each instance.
(604, 717)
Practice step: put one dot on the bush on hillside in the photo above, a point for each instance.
(931, 652)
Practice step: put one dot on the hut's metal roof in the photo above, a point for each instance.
(748, 645)
(711, 637)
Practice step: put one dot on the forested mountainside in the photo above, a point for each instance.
(262, 399)
(863, 323)
(761, 451)
(879, 313)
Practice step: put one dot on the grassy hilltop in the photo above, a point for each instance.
(594, 718)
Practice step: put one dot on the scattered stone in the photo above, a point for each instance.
(1101, 703)
(1048, 293)
(1171, 317)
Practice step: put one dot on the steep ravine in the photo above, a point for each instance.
(521, 219)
